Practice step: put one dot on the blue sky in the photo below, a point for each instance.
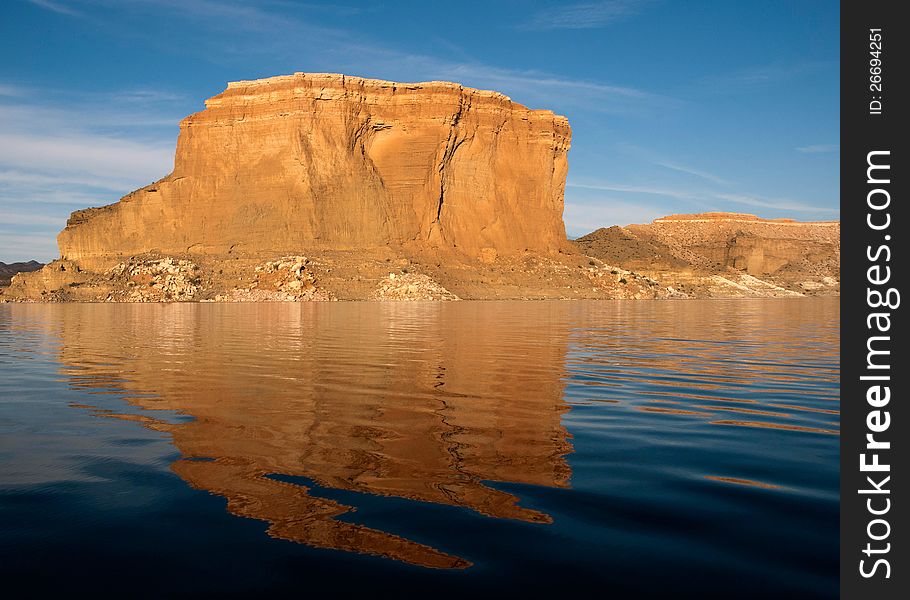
(675, 105)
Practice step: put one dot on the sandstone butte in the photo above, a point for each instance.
(325, 186)
(327, 162)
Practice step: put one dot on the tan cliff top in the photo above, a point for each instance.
(325, 83)
(736, 217)
(333, 79)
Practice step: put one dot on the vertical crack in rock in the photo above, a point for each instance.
(452, 144)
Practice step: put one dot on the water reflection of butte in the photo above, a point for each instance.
(418, 402)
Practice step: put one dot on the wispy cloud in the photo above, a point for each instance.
(510, 76)
(62, 109)
(86, 155)
(59, 200)
(689, 170)
(584, 15)
(819, 148)
(783, 204)
(20, 218)
(638, 189)
(57, 7)
(15, 246)
(33, 180)
(539, 89)
(329, 8)
(750, 79)
(145, 96)
(772, 73)
(235, 17)
(650, 156)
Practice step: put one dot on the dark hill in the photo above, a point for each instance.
(8, 270)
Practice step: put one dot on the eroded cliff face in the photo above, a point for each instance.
(321, 161)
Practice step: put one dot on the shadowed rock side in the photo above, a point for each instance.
(323, 161)
(726, 254)
(428, 413)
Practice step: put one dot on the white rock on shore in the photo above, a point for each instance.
(411, 287)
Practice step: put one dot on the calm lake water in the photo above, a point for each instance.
(628, 448)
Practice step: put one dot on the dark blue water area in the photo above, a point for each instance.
(696, 503)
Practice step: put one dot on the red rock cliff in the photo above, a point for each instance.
(324, 161)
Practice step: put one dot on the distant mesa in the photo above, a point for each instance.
(720, 253)
(738, 218)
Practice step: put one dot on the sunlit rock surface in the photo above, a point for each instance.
(326, 161)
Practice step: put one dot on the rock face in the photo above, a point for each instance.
(719, 254)
(322, 161)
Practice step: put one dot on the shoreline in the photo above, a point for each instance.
(471, 300)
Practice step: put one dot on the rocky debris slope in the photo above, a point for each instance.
(726, 254)
(411, 286)
(623, 284)
(620, 246)
(329, 162)
(154, 280)
(284, 280)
